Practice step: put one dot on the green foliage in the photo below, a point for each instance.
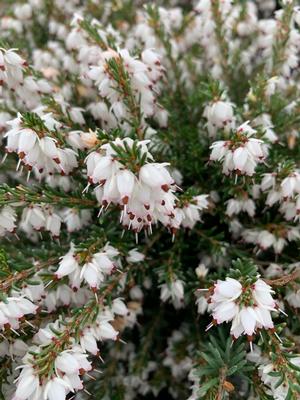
(93, 32)
(221, 362)
(34, 121)
(4, 267)
(243, 268)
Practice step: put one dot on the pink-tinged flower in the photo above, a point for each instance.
(227, 290)
(262, 294)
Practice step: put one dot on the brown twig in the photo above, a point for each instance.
(20, 276)
(284, 279)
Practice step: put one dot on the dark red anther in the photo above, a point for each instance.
(125, 200)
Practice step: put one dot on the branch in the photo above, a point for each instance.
(9, 195)
(8, 282)
(284, 280)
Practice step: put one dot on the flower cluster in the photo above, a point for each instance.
(144, 190)
(189, 212)
(68, 365)
(247, 306)
(14, 73)
(93, 271)
(241, 153)
(139, 81)
(37, 149)
(275, 237)
(235, 206)
(36, 219)
(284, 190)
(274, 373)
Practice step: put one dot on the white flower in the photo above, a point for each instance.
(105, 261)
(202, 305)
(290, 185)
(293, 298)
(277, 391)
(92, 275)
(53, 223)
(136, 293)
(8, 219)
(56, 389)
(66, 266)
(265, 239)
(235, 206)
(247, 307)
(11, 68)
(75, 140)
(66, 363)
(105, 330)
(135, 256)
(28, 384)
(192, 211)
(265, 121)
(201, 271)
(219, 115)
(23, 11)
(119, 307)
(173, 291)
(88, 341)
(76, 115)
(125, 184)
(155, 175)
(76, 219)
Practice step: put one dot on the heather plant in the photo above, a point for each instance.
(149, 200)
